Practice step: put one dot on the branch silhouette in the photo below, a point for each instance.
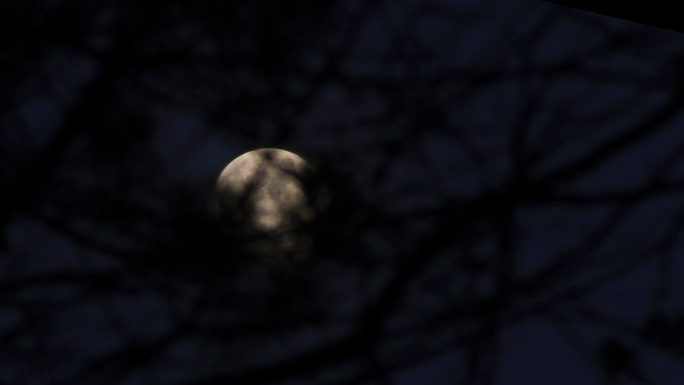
(478, 181)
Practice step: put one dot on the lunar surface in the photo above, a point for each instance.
(269, 200)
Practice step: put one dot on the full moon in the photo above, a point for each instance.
(268, 201)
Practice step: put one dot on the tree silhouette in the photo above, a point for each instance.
(487, 165)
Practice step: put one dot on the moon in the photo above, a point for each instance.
(269, 201)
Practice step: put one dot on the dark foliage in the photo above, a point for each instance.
(488, 165)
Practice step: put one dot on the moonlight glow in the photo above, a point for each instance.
(268, 199)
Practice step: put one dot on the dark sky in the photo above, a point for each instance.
(517, 152)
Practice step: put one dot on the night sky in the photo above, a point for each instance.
(507, 184)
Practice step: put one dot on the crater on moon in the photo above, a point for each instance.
(268, 201)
